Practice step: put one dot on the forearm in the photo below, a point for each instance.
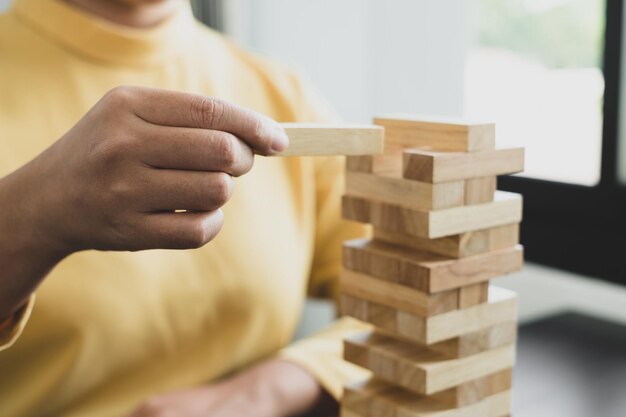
(26, 254)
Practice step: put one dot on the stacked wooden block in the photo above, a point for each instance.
(443, 342)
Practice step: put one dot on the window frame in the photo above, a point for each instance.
(575, 227)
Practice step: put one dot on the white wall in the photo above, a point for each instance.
(366, 56)
(4, 4)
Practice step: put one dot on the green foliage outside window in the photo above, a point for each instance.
(567, 35)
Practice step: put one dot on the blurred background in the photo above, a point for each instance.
(548, 73)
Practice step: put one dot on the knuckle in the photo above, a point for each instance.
(112, 150)
(226, 151)
(120, 96)
(120, 190)
(222, 187)
(208, 111)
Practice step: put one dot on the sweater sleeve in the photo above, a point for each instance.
(11, 329)
(322, 354)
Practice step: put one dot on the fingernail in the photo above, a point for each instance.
(280, 141)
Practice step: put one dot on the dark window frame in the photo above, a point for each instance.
(579, 228)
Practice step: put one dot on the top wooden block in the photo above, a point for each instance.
(437, 134)
(435, 167)
(315, 139)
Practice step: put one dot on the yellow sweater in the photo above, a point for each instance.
(109, 329)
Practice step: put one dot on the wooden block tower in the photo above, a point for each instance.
(443, 342)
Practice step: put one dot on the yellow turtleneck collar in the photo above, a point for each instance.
(99, 39)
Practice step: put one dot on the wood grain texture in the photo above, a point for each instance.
(405, 193)
(310, 139)
(359, 163)
(506, 209)
(476, 390)
(471, 295)
(387, 163)
(420, 369)
(479, 190)
(426, 272)
(437, 134)
(500, 308)
(456, 246)
(435, 167)
(376, 398)
(395, 295)
(468, 344)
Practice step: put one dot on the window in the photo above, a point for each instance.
(535, 67)
(557, 65)
(546, 71)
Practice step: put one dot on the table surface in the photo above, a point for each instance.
(570, 365)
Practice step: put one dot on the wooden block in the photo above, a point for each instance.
(359, 163)
(349, 413)
(395, 295)
(405, 193)
(437, 134)
(473, 391)
(419, 369)
(472, 295)
(500, 308)
(506, 209)
(388, 163)
(332, 139)
(384, 318)
(357, 209)
(468, 344)
(479, 190)
(456, 246)
(376, 398)
(356, 307)
(436, 167)
(426, 272)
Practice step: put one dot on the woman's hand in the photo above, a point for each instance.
(114, 180)
(143, 169)
(272, 389)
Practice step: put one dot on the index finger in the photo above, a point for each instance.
(172, 108)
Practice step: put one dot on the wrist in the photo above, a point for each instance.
(26, 253)
(25, 216)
